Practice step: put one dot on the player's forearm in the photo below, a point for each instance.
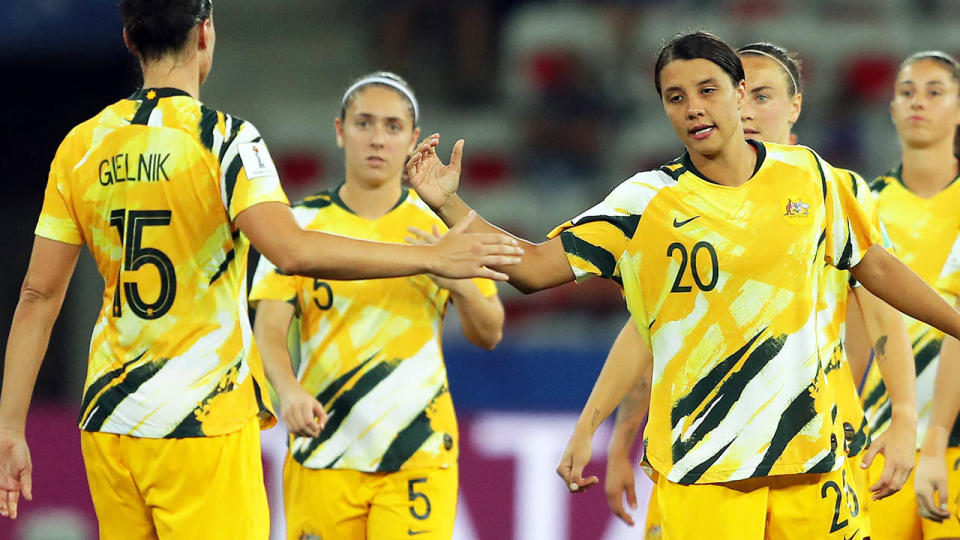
(26, 346)
(542, 266)
(894, 355)
(893, 282)
(856, 344)
(632, 410)
(329, 256)
(625, 366)
(271, 338)
(946, 399)
(481, 317)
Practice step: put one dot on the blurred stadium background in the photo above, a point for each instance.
(557, 105)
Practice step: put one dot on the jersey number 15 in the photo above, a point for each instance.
(129, 225)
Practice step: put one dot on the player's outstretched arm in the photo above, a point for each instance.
(301, 412)
(481, 317)
(619, 373)
(633, 408)
(894, 357)
(542, 266)
(48, 275)
(894, 283)
(931, 475)
(274, 232)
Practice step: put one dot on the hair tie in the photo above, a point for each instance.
(796, 87)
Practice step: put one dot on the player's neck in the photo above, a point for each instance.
(171, 72)
(368, 200)
(926, 171)
(731, 167)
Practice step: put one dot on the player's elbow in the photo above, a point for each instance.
(33, 293)
(290, 260)
(530, 284)
(489, 340)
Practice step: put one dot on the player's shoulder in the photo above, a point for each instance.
(77, 142)
(854, 180)
(220, 131)
(633, 195)
(309, 208)
(883, 181)
(416, 204)
(797, 155)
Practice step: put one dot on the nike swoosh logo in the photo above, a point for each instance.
(679, 224)
(412, 532)
(852, 536)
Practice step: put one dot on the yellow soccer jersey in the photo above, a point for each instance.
(151, 185)
(370, 350)
(924, 233)
(832, 322)
(723, 285)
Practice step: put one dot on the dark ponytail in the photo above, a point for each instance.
(159, 27)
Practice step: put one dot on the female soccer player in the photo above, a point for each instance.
(918, 204)
(165, 193)
(384, 465)
(720, 254)
(773, 104)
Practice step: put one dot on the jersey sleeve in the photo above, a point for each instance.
(270, 284)
(58, 220)
(849, 229)
(596, 239)
(248, 175)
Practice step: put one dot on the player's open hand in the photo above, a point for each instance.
(16, 472)
(575, 457)
(420, 237)
(620, 480)
(898, 446)
(930, 479)
(301, 412)
(434, 181)
(467, 255)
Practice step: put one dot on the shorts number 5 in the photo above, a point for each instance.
(413, 496)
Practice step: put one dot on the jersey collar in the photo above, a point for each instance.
(335, 197)
(898, 174)
(156, 93)
(757, 145)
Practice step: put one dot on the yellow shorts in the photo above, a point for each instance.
(859, 479)
(789, 507)
(652, 531)
(354, 505)
(204, 487)
(896, 517)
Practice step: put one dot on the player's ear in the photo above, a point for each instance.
(796, 105)
(338, 126)
(129, 44)
(414, 137)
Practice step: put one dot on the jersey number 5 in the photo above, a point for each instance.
(693, 258)
(130, 227)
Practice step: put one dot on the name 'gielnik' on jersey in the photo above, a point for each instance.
(723, 285)
(151, 185)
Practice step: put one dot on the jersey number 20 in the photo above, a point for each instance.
(714, 266)
(130, 226)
